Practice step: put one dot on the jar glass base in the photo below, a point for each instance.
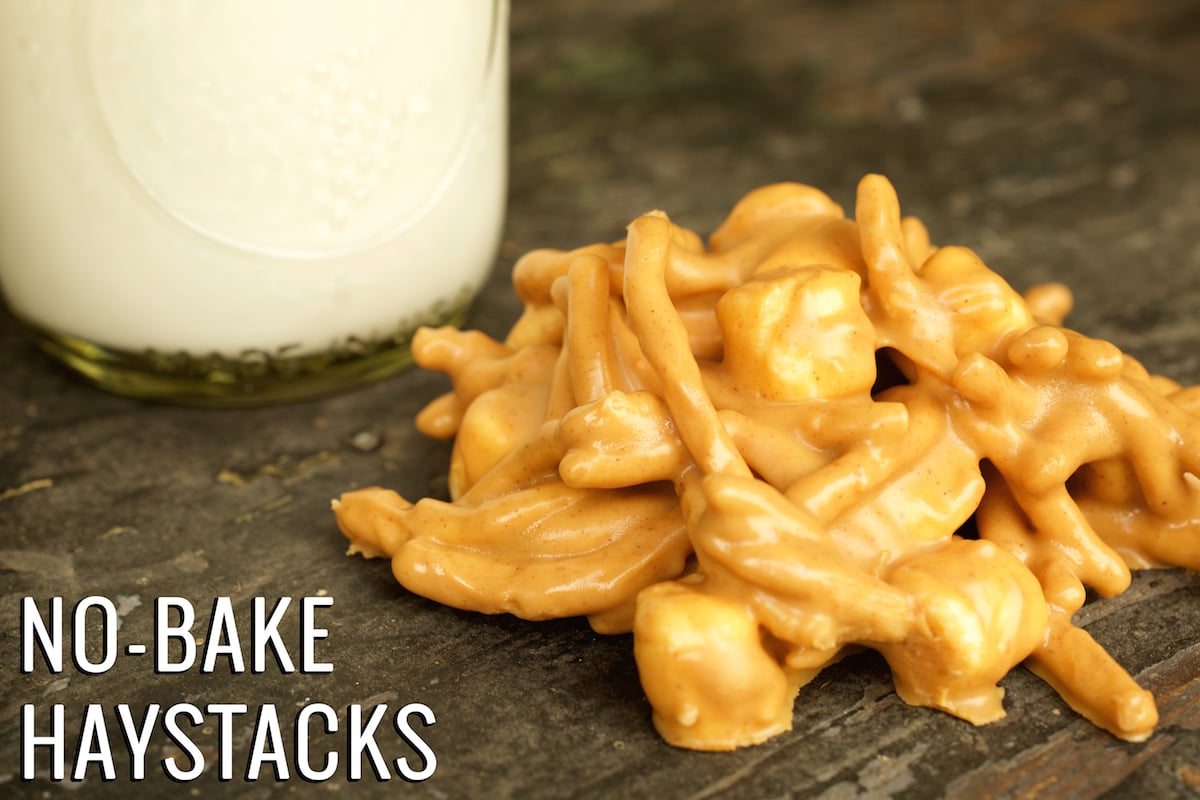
(253, 377)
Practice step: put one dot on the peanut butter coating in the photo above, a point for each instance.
(759, 453)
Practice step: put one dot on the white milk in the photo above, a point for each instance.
(232, 175)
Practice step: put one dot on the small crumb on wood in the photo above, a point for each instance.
(26, 488)
(366, 441)
(116, 530)
(230, 477)
(1190, 775)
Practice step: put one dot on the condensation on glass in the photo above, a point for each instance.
(220, 201)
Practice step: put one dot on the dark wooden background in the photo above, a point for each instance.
(1061, 140)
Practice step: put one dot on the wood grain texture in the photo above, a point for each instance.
(1060, 140)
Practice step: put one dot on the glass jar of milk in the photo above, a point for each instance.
(244, 201)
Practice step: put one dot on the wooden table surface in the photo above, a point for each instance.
(1059, 140)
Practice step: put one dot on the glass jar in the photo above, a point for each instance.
(247, 201)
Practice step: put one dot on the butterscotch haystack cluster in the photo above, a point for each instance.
(758, 453)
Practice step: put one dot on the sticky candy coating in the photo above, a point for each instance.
(760, 453)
